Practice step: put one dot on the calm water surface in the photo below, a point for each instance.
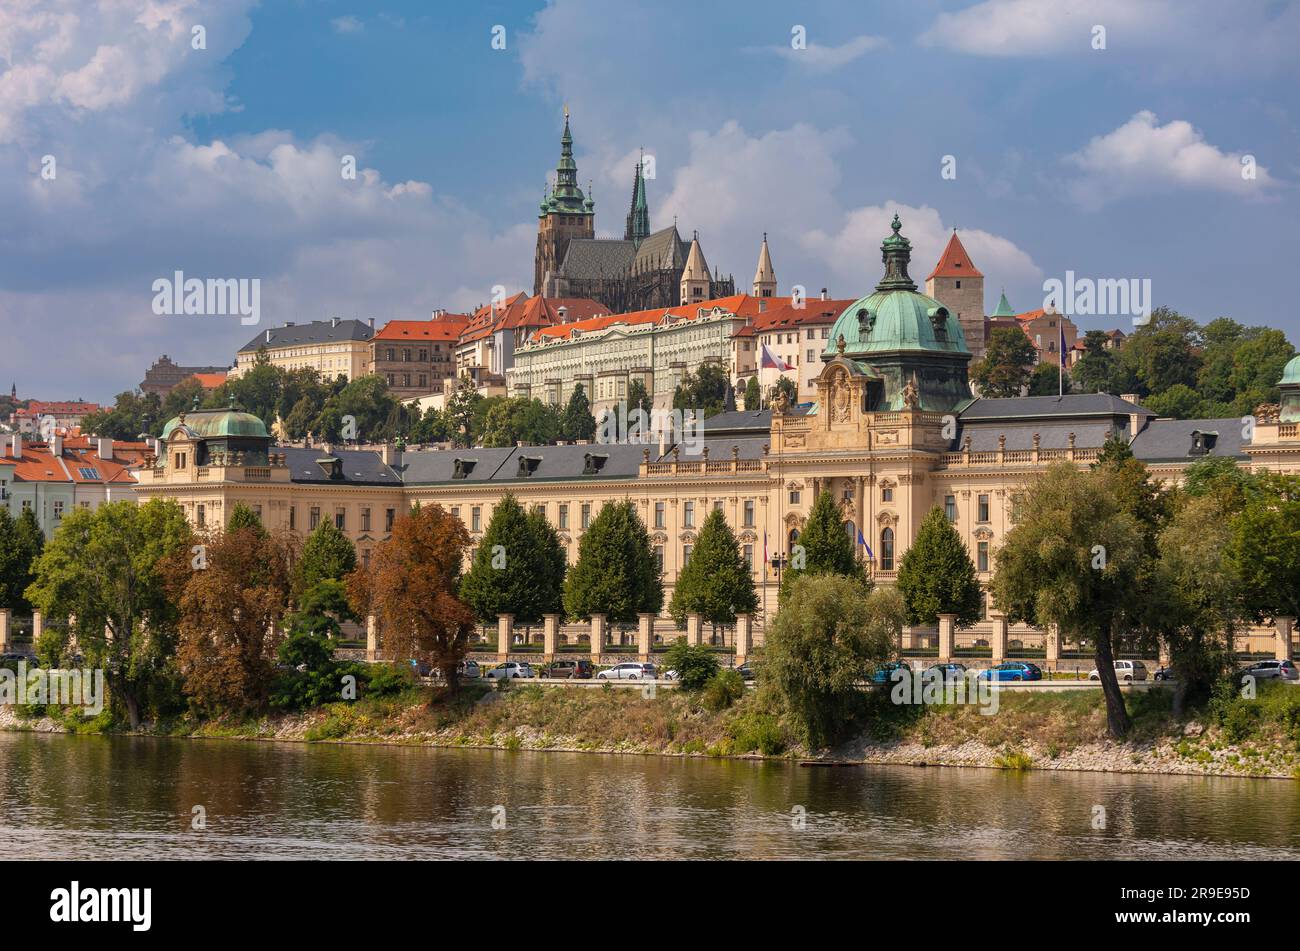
(127, 797)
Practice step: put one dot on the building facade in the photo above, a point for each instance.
(414, 357)
(892, 434)
(164, 375)
(333, 347)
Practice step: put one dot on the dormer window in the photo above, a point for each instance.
(593, 463)
(528, 465)
(332, 467)
(463, 468)
(1202, 443)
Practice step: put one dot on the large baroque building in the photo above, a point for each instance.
(893, 432)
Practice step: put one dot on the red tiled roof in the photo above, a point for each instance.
(39, 464)
(210, 381)
(742, 305)
(442, 327)
(783, 315)
(955, 262)
(524, 311)
(57, 408)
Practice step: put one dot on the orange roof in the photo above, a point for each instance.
(954, 262)
(1029, 315)
(742, 305)
(39, 464)
(785, 315)
(210, 381)
(524, 311)
(56, 408)
(442, 327)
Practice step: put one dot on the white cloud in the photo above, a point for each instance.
(347, 24)
(1043, 27)
(823, 59)
(1142, 156)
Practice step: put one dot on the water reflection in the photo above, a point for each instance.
(72, 796)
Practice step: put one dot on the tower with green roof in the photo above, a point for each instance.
(565, 213)
(638, 218)
(898, 336)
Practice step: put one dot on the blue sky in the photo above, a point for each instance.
(224, 162)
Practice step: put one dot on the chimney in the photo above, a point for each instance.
(372, 323)
(826, 295)
(105, 450)
(16, 446)
(268, 334)
(56, 445)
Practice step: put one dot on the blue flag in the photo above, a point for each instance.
(871, 556)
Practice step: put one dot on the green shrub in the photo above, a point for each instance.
(695, 666)
(757, 731)
(388, 680)
(723, 689)
(1013, 759)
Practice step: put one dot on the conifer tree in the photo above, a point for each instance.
(578, 421)
(936, 575)
(824, 546)
(616, 573)
(327, 554)
(518, 568)
(716, 583)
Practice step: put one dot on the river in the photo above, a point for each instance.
(129, 797)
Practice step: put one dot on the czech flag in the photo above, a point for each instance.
(770, 361)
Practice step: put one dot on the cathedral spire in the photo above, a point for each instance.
(566, 197)
(765, 275)
(638, 218)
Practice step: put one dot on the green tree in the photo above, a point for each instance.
(128, 418)
(21, 543)
(616, 573)
(1004, 371)
(1073, 558)
(828, 635)
(518, 568)
(936, 575)
(1163, 352)
(366, 399)
(328, 554)
(578, 422)
(638, 397)
(109, 567)
(1180, 401)
(716, 583)
(1264, 552)
(825, 546)
(465, 413)
(519, 419)
(256, 391)
(753, 394)
(704, 390)
(1097, 370)
(1046, 380)
(693, 666)
(241, 516)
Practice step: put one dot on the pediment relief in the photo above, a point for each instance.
(983, 534)
(887, 518)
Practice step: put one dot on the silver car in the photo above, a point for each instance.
(628, 672)
(511, 670)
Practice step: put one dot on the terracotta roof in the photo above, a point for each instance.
(39, 464)
(740, 304)
(524, 311)
(56, 408)
(442, 327)
(955, 262)
(783, 314)
(210, 381)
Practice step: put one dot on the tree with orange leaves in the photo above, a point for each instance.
(410, 588)
(231, 603)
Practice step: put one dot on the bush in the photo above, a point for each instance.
(695, 666)
(757, 731)
(723, 689)
(388, 680)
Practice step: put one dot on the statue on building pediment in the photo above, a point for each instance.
(1267, 413)
(780, 403)
(911, 396)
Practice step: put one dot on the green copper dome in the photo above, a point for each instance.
(1292, 373)
(896, 316)
(211, 423)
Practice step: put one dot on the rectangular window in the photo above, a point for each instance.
(315, 518)
(257, 510)
(58, 509)
(887, 493)
(686, 554)
(749, 556)
(812, 355)
(659, 558)
(749, 513)
(688, 515)
(982, 562)
(388, 519)
(564, 516)
(365, 519)
(586, 516)
(365, 559)
(717, 505)
(950, 507)
(201, 516)
(984, 508)
(340, 518)
(794, 496)
(476, 518)
(659, 514)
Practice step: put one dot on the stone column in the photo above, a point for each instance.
(372, 638)
(998, 639)
(6, 641)
(38, 627)
(744, 636)
(597, 637)
(1163, 657)
(947, 628)
(693, 625)
(1282, 645)
(505, 634)
(645, 636)
(550, 636)
(1053, 645)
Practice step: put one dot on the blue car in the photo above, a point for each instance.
(884, 673)
(946, 672)
(1013, 670)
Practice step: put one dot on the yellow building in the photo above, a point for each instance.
(334, 347)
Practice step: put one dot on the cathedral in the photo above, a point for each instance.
(642, 271)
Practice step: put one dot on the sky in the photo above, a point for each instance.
(143, 137)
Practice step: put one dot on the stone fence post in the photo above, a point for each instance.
(744, 637)
(998, 639)
(6, 640)
(1282, 645)
(372, 639)
(947, 623)
(505, 634)
(550, 635)
(1052, 643)
(645, 636)
(38, 627)
(694, 624)
(597, 637)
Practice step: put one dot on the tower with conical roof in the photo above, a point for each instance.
(959, 286)
(565, 213)
(638, 218)
(764, 276)
(695, 276)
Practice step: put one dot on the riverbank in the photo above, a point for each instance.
(1051, 731)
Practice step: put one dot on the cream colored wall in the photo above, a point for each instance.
(350, 358)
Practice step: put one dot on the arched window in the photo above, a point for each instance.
(887, 549)
(852, 529)
(794, 538)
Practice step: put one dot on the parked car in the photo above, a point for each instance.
(668, 674)
(1165, 672)
(1126, 671)
(884, 674)
(947, 672)
(746, 672)
(580, 669)
(468, 670)
(421, 668)
(512, 670)
(628, 671)
(1012, 670)
(1273, 670)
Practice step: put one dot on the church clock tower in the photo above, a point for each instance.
(565, 214)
